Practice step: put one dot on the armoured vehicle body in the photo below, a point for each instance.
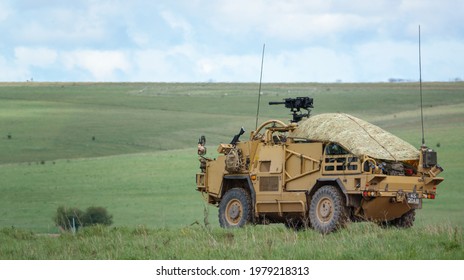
(320, 173)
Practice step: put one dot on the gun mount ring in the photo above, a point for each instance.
(275, 122)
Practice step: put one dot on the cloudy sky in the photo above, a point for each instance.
(222, 40)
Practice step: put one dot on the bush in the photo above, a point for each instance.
(97, 216)
(67, 218)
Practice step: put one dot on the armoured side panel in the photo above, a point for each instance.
(294, 202)
(301, 161)
(268, 166)
(214, 174)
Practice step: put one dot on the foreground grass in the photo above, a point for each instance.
(358, 241)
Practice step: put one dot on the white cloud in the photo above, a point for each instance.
(443, 60)
(5, 11)
(294, 20)
(173, 64)
(228, 68)
(309, 65)
(61, 24)
(20, 66)
(177, 22)
(199, 40)
(140, 38)
(151, 65)
(379, 61)
(103, 65)
(11, 72)
(41, 57)
(333, 22)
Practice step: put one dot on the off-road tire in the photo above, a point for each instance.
(235, 208)
(405, 221)
(328, 211)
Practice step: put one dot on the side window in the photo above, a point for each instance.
(335, 149)
(337, 159)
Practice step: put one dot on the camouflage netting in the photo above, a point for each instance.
(357, 136)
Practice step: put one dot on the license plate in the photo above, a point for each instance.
(413, 198)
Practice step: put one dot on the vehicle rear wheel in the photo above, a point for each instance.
(405, 221)
(328, 211)
(235, 209)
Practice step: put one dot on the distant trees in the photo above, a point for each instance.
(71, 219)
(399, 80)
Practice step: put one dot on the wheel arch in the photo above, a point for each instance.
(336, 182)
(242, 181)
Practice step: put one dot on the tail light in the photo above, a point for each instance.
(430, 196)
(369, 194)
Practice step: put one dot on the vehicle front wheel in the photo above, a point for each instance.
(235, 208)
(328, 211)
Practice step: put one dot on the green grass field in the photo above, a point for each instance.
(131, 147)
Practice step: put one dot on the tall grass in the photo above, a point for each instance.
(358, 241)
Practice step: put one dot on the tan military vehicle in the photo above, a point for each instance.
(321, 173)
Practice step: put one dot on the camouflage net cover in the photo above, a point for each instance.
(356, 135)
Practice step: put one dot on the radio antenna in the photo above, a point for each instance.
(259, 90)
(420, 87)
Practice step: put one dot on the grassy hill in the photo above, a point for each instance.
(130, 147)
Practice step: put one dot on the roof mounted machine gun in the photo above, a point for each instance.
(295, 105)
(237, 137)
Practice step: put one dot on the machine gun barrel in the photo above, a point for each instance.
(276, 103)
(295, 105)
(237, 137)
